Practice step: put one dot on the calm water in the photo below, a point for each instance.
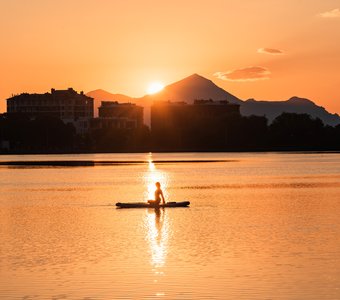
(260, 226)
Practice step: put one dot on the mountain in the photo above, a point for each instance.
(192, 88)
(186, 90)
(272, 109)
(101, 95)
(197, 87)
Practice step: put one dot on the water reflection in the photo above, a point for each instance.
(155, 218)
(157, 236)
(151, 176)
(271, 185)
(157, 226)
(60, 240)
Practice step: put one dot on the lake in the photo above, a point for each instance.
(260, 226)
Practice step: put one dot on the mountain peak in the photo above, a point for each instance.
(301, 101)
(194, 87)
(195, 76)
(98, 91)
(195, 79)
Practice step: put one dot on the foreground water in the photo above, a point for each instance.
(260, 226)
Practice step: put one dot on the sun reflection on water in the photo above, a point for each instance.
(157, 236)
(156, 224)
(152, 176)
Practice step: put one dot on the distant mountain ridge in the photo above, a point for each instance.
(197, 87)
(102, 95)
(272, 109)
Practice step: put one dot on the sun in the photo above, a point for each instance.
(155, 87)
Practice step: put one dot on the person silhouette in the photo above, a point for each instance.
(158, 195)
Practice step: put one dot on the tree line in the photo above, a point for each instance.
(289, 131)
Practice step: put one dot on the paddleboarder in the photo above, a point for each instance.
(158, 195)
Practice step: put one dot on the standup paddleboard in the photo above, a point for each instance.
(147, 205)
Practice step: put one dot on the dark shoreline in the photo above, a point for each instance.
(236, 150)
(92, 163)
(103, 162)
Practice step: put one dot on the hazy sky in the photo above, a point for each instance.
(262, 49)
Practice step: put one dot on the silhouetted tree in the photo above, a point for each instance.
(336, 137)
(43, 134)
(120, 139)
(296, 130)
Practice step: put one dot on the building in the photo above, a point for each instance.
(202, 124)
(111, 123)
(127, 115)
(178, 114)
(63, 104)
(67, 105)
(4, 142)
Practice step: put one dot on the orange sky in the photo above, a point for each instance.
(122, 46)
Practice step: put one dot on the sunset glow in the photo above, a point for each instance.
(300, 57)
(155, 87)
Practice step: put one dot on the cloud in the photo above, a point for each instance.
(334, 13)
(245, 74)
(270, 51)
